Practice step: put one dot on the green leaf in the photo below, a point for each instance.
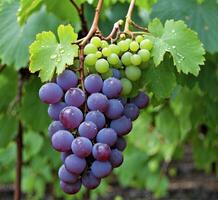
(181, 42)
(200, 17)
(26, 9)
(33, 112)
(48, 56)
(160, 80)
(15, 40)
(9, 126)
(8, 87)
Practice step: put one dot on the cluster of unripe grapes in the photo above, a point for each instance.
(124, 60)
(90, 122)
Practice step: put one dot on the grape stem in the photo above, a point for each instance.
(80, 11)
(115, 30)
(128, 18)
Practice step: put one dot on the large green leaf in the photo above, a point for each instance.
(200, 17)
(15, 40)
(48, 56)
(33, 112)
(181, 42)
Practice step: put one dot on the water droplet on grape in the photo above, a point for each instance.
(53, 56)
(62, 51)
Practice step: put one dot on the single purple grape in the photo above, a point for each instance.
(75, 97)
(120, 143)
(88, 129)
(116, 73)
(93, 83)
(101, 152)
(55, 109)
(112, 87)
(90, 181)
(50, 93)
(116, 158)
(107, 136)
(101, 169)
(66, 176)
(71, 188)
(131, 111)
(97, 118)
(115, 109)
(54, 127)
(141, 100)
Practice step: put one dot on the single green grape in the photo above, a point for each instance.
(90, 59)
(126, 86)
(133, 73)
(113, 59)
(146, 44)
(90, 48)
(139, 38)
(136, 59)
(114, 48)
(128, 40)
(134, 46)
(106, 51)
(102, 66)
(96, 41)
(153, 165)
(98, 54)
(104, 44)
(108, 74)
(145, 54)
(124, 45)
(126, 58)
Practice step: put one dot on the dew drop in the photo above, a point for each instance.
(173, 46)
(173, 31)
(53, 56)
(62, 51)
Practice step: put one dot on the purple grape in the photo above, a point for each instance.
(66, 176)
(75, 97)
(64, 155)
(97, 118)
(120, 143)
(74, 164)
(61, 140)
(97, 101)
(122, 126)
(55, 109)
(67, 80)
(88, 129)
(71, 188)
(131, 111)
(141, 100)
(54, 127)
(116, 73)
(93, 83)
(116, 158)
(81, 147)
(90, 181)
(112, 87)
(50, 93)
(115, 109)
(101, 169)
(71, 117)
(101, 152)
(107, 136)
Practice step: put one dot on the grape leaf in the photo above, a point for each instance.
(9, 126)
(8, 79)
(160, 80)
(181, 42)
(15, 40)
(32, 112)
(200, 17)
(48, 56)
(26, 9)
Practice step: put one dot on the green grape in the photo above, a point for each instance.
(128, 40)
(119, 65)
(102, 66)
(90, 48)
(98, 54)
(90, 59)
(146, 44)
(145, 54)
(153, 165)
(136, 59)
(126, 58)
(106, 52)
(126, 85)
(114, 48)
(108, 74)
(133, 73)
(104, 44)
(124, 45)
(139, 38)
(113, 59)
(134, 46)
(96, 41)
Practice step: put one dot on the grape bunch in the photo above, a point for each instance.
(90, 122)
(126, 59)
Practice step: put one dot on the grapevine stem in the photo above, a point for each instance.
(115, 30)
(81, 67)
(128, 17)
(94, 28)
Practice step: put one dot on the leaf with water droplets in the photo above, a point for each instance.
(181, 42)
(48, 56)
